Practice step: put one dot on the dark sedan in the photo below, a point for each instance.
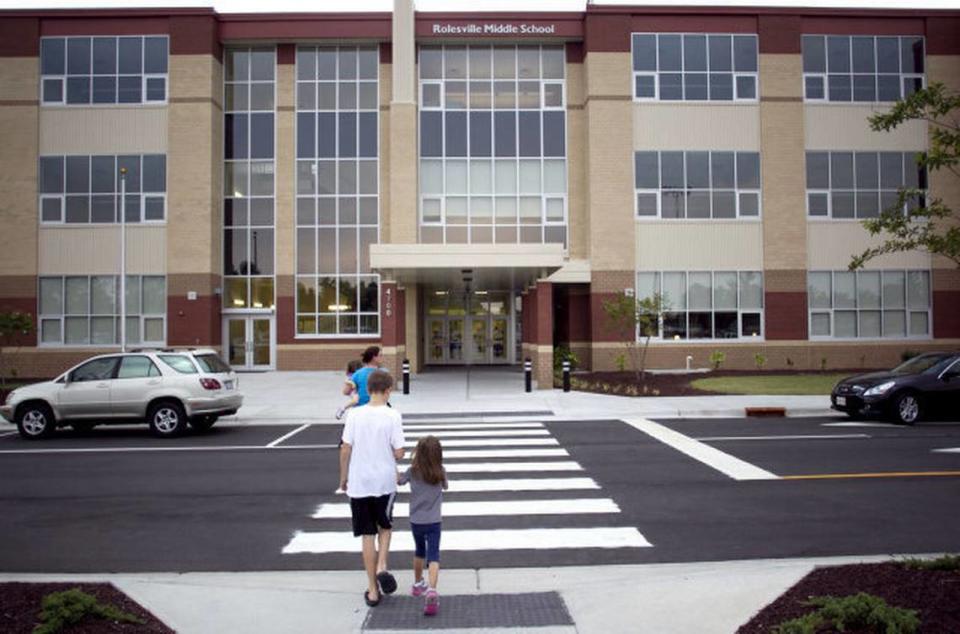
(925, 385)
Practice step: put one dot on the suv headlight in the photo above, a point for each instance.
(877, 390)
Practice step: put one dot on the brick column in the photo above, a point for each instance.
(543, 337)
(391, 334)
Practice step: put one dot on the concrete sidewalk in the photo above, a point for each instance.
(701, 598)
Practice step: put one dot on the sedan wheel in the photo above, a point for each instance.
(167, 419)
(907, 408)
(35, 422)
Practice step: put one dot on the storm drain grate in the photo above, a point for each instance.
(457, 612)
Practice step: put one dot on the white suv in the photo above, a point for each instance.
(165, 388)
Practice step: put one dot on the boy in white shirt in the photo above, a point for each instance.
(372, 444)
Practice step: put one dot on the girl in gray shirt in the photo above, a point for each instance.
(427, 479)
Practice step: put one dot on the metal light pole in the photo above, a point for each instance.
(123, 259)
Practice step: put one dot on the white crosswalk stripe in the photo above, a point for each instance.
(532, 460)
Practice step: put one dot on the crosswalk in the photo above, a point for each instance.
(513, 487)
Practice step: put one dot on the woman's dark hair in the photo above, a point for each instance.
(371, 353)
(427, 462)
(354, 365)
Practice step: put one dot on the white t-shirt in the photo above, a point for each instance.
(373, 432)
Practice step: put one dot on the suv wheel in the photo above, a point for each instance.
(35, 421)
(203, 423)
(167, 419)
(907, 408)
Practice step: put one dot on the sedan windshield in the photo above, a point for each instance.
(920, 364)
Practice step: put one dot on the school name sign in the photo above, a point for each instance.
(501, 28)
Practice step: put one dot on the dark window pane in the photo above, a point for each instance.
(129, 90)
(646, 170)
(51, 174)
(698, 170)
(721, 56)
(911, 54)
(327, 63)
(104, 90)
(867, 173)
(131, 55)
(813, 87)
(842, 203)
(235, 143)
(721, 167)
(261, 135)
(888, 55)
(431, 133)
(839, 87)
(695, 86)
(261, 211)
(554, 134)
(645, 87)
(698, 204)
(480, 141)
(644, 52)
(817, 204)
(868, 204)
(671, 170)
(864, 88)
(327, 134)
(155, 55)
(104, 56)
(721, 87)
(368, 134)
(674, 325)
(132, 164)
(505, 134)
(818, 170)
(78, 90)
(132, 210)
(838, 54)
(52, 91)
(78, 56)
(841, 170)
(78, 175)
(52, 51)
(751, 325)
(911, 85)
(347, 135)
(746, 87)
(745, 53)
(864, 56)
(669, 51)
(306, 63)
(748, 170)
(694, 52)
(671, 86)
(814, 54)
(701, 325)
(235, 252)
(50, 210)
(103, 209)
(529, 133)
(724, 204)
(456, 134)
(725, 325)
(103, 169)
(347, 63)
(891, 170)
(78, 209)
(154, 173)
(888, 87)
(672, 204)
(368, 60)
(306, 135)
(261, 251)
(234, 212)
(262, 62)
(912, 172)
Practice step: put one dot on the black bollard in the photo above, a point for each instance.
(528, 374)
(566, 376)
(406, 376)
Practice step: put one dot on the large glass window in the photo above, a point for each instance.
(706, 304)
(862, 67)
(694, 67)
(248, 177)
(338, 184)
(869, 304)
(697, 185)
(81, 310)
(493, 144)
(103, 70)
(86, 189)
(846, 185)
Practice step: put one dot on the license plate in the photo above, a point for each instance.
(228, 385)
(841, 401)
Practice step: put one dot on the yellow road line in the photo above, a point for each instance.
(888, 474)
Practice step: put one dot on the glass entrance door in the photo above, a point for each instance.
(248, 340)
(474, 329)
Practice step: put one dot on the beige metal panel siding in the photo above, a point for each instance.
(140, 130)
(95, 250)
(711, 245)
(843, 127)
(680, 126)
(832, 243)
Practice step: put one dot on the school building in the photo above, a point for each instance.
(467, 189)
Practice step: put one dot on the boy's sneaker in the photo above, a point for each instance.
(419, 588)
(432, 603)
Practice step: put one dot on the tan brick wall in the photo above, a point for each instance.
(333, 356)
(779, 76)
(541, 358)
(611, 281)
(577, 208)
(18, 165)
(184, 283)
(401, 215)
(285, 205)
(785, 281)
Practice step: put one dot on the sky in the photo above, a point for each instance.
(473, 6)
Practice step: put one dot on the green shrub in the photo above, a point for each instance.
(63, 609)
(760, 360)
(823, 364)
(561, 354)
(621, 361)
(717, 358)
(857, 611)
(946, 562)
(789, 363)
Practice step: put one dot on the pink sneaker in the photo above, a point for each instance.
(432, 603)
(419, 588)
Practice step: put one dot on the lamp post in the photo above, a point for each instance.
(123, 259)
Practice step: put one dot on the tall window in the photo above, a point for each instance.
(694, 67)
(248, 178)
(493, 144)
(337, 190)
(862, 68)
(83, 310)
(697, 185)
(869, 304)
(103, 70)
(86, 189)
(706, 304)
(861, 184)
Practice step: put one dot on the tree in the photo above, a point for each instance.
(635, 318)
(928, 224)
(12, 324)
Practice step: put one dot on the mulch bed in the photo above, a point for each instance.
(20, 609)
(934, 593)
(665, 384)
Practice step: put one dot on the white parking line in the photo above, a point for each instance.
(286, 436)
(712, 457)
(796, 437)
(947, 450)
(161, 449)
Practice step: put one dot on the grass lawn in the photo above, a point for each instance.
(770, 384)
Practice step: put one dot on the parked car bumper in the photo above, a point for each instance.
(222, 404)
(855, 404)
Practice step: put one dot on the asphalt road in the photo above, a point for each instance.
(119, 500)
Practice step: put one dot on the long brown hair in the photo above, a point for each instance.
(427, 462)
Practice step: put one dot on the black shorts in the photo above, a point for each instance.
(371, 514)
